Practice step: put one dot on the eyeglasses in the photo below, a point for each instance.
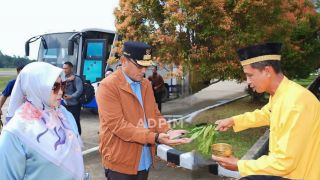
(57, 86)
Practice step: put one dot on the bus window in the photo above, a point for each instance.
(95, 50)
(93, 62)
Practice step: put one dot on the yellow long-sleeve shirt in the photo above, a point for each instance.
(293, 114)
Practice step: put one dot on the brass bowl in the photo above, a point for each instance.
(221, 149)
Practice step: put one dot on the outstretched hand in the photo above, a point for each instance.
(224, 124)
(165, 139)
(176, 134)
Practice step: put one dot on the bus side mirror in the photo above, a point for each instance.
(70, 47)
(44, 43)
(71, 41)
(27, 48)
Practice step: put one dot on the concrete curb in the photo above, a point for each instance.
(261, 146)
(91, 150)
(179, 158)
(192, 161)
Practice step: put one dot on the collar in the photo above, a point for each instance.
(129, 80)
(281, 88)
(124, 82)
(69, 74)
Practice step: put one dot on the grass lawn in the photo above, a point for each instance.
(4, 80)
(241, 141)
(306, 82)
(8, 69)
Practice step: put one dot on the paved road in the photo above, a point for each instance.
(8, 73)
(160, 172)
(211, 95)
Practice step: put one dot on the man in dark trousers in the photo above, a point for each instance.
(72, 93)
(157, 85)
(130, 122)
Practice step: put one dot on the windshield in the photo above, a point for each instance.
(57, 50)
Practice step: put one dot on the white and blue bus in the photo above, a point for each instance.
(88, 50)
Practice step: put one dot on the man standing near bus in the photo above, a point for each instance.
(130, 122)
(72, 93)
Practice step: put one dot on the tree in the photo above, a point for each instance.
(11, 61)
(203, 35)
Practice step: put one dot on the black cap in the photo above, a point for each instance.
(139, 52)
(258, 53)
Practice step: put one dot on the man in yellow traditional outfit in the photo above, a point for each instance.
(293, 114)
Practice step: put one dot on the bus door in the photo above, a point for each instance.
(93, 64)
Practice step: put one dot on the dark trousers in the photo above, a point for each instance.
(113, 175)
(158, 97)
(262, 177)
(75, 111)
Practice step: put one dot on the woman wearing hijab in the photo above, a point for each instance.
(40, 140)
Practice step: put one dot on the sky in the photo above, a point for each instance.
(23, 19)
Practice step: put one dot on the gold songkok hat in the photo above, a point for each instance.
(258, 53)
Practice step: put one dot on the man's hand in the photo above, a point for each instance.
(66, 97)
(165, 139)
(175, 134)
(71, 78)
(227, 162)
(224, 124)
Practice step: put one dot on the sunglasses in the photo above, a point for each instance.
(57, 86)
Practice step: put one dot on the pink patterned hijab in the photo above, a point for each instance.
(47, 130)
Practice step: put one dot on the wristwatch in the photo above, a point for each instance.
(156, 138)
